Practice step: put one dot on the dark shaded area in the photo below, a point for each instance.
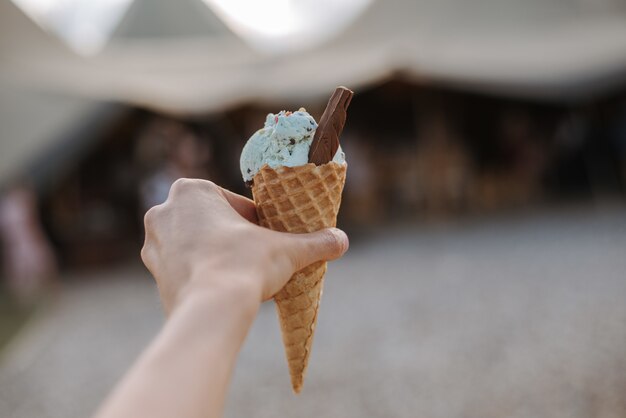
(415, 153)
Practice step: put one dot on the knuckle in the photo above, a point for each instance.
(210, 187)
(146, 255)
(186, 186)
(150, 217)
(181, 185)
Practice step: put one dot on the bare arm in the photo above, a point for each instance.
(213, 267)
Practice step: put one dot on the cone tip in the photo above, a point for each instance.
(297, 387)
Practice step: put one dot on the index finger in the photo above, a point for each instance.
(244, 206)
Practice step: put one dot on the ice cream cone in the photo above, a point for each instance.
(299, 199)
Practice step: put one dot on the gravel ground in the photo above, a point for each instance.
(521, 316)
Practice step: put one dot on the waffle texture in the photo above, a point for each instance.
(299, 200)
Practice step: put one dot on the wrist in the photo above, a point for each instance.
(234, 290)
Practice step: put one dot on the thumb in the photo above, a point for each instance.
(326, 244)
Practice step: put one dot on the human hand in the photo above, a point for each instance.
(205, 239)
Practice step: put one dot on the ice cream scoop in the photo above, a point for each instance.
(284, 140)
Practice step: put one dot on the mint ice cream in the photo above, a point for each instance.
(284, 140)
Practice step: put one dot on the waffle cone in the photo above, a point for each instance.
(298, 200)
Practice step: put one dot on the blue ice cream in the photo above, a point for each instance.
(284, 140)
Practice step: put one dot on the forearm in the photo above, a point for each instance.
(186, 370)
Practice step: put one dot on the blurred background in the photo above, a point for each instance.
(485, 197)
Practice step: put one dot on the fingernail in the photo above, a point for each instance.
(341, 238)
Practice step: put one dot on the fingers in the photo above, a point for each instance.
(244, 206)
(305, 249)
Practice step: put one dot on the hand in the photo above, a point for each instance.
(205, 239)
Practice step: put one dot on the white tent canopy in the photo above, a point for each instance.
(30, 120)
(179, 57)
(160, 19)
(543, 49)
(37, 112)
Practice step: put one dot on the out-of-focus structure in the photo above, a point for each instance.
(182, 58)
(462, 106)
(463, 109)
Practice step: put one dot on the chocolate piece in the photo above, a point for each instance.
(326, 139)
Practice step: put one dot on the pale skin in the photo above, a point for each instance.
(213, 267)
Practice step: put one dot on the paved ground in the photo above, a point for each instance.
(523, 316)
